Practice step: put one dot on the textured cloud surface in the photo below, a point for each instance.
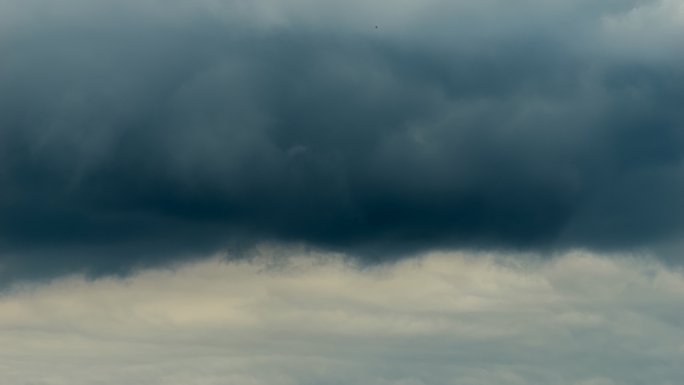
(488, 139)
(580, 319)
(154, 128)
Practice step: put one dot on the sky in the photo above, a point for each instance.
(331, 192)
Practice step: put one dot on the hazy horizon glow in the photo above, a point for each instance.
(443, 318)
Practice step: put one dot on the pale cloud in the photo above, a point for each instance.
(315, 319)
(649, 32)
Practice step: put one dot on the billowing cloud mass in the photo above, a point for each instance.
(310, 319)
(132, 132)
(281, 192)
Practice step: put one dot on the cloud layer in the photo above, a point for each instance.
(132, 131)
(301, 318)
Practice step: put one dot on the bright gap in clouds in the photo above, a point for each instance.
(314, 319)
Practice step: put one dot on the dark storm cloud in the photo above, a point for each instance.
(127, 132)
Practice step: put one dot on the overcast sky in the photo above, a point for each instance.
(229, 191)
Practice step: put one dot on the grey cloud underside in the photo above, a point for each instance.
(157, 138)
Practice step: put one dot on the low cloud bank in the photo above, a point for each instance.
(309, 318)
